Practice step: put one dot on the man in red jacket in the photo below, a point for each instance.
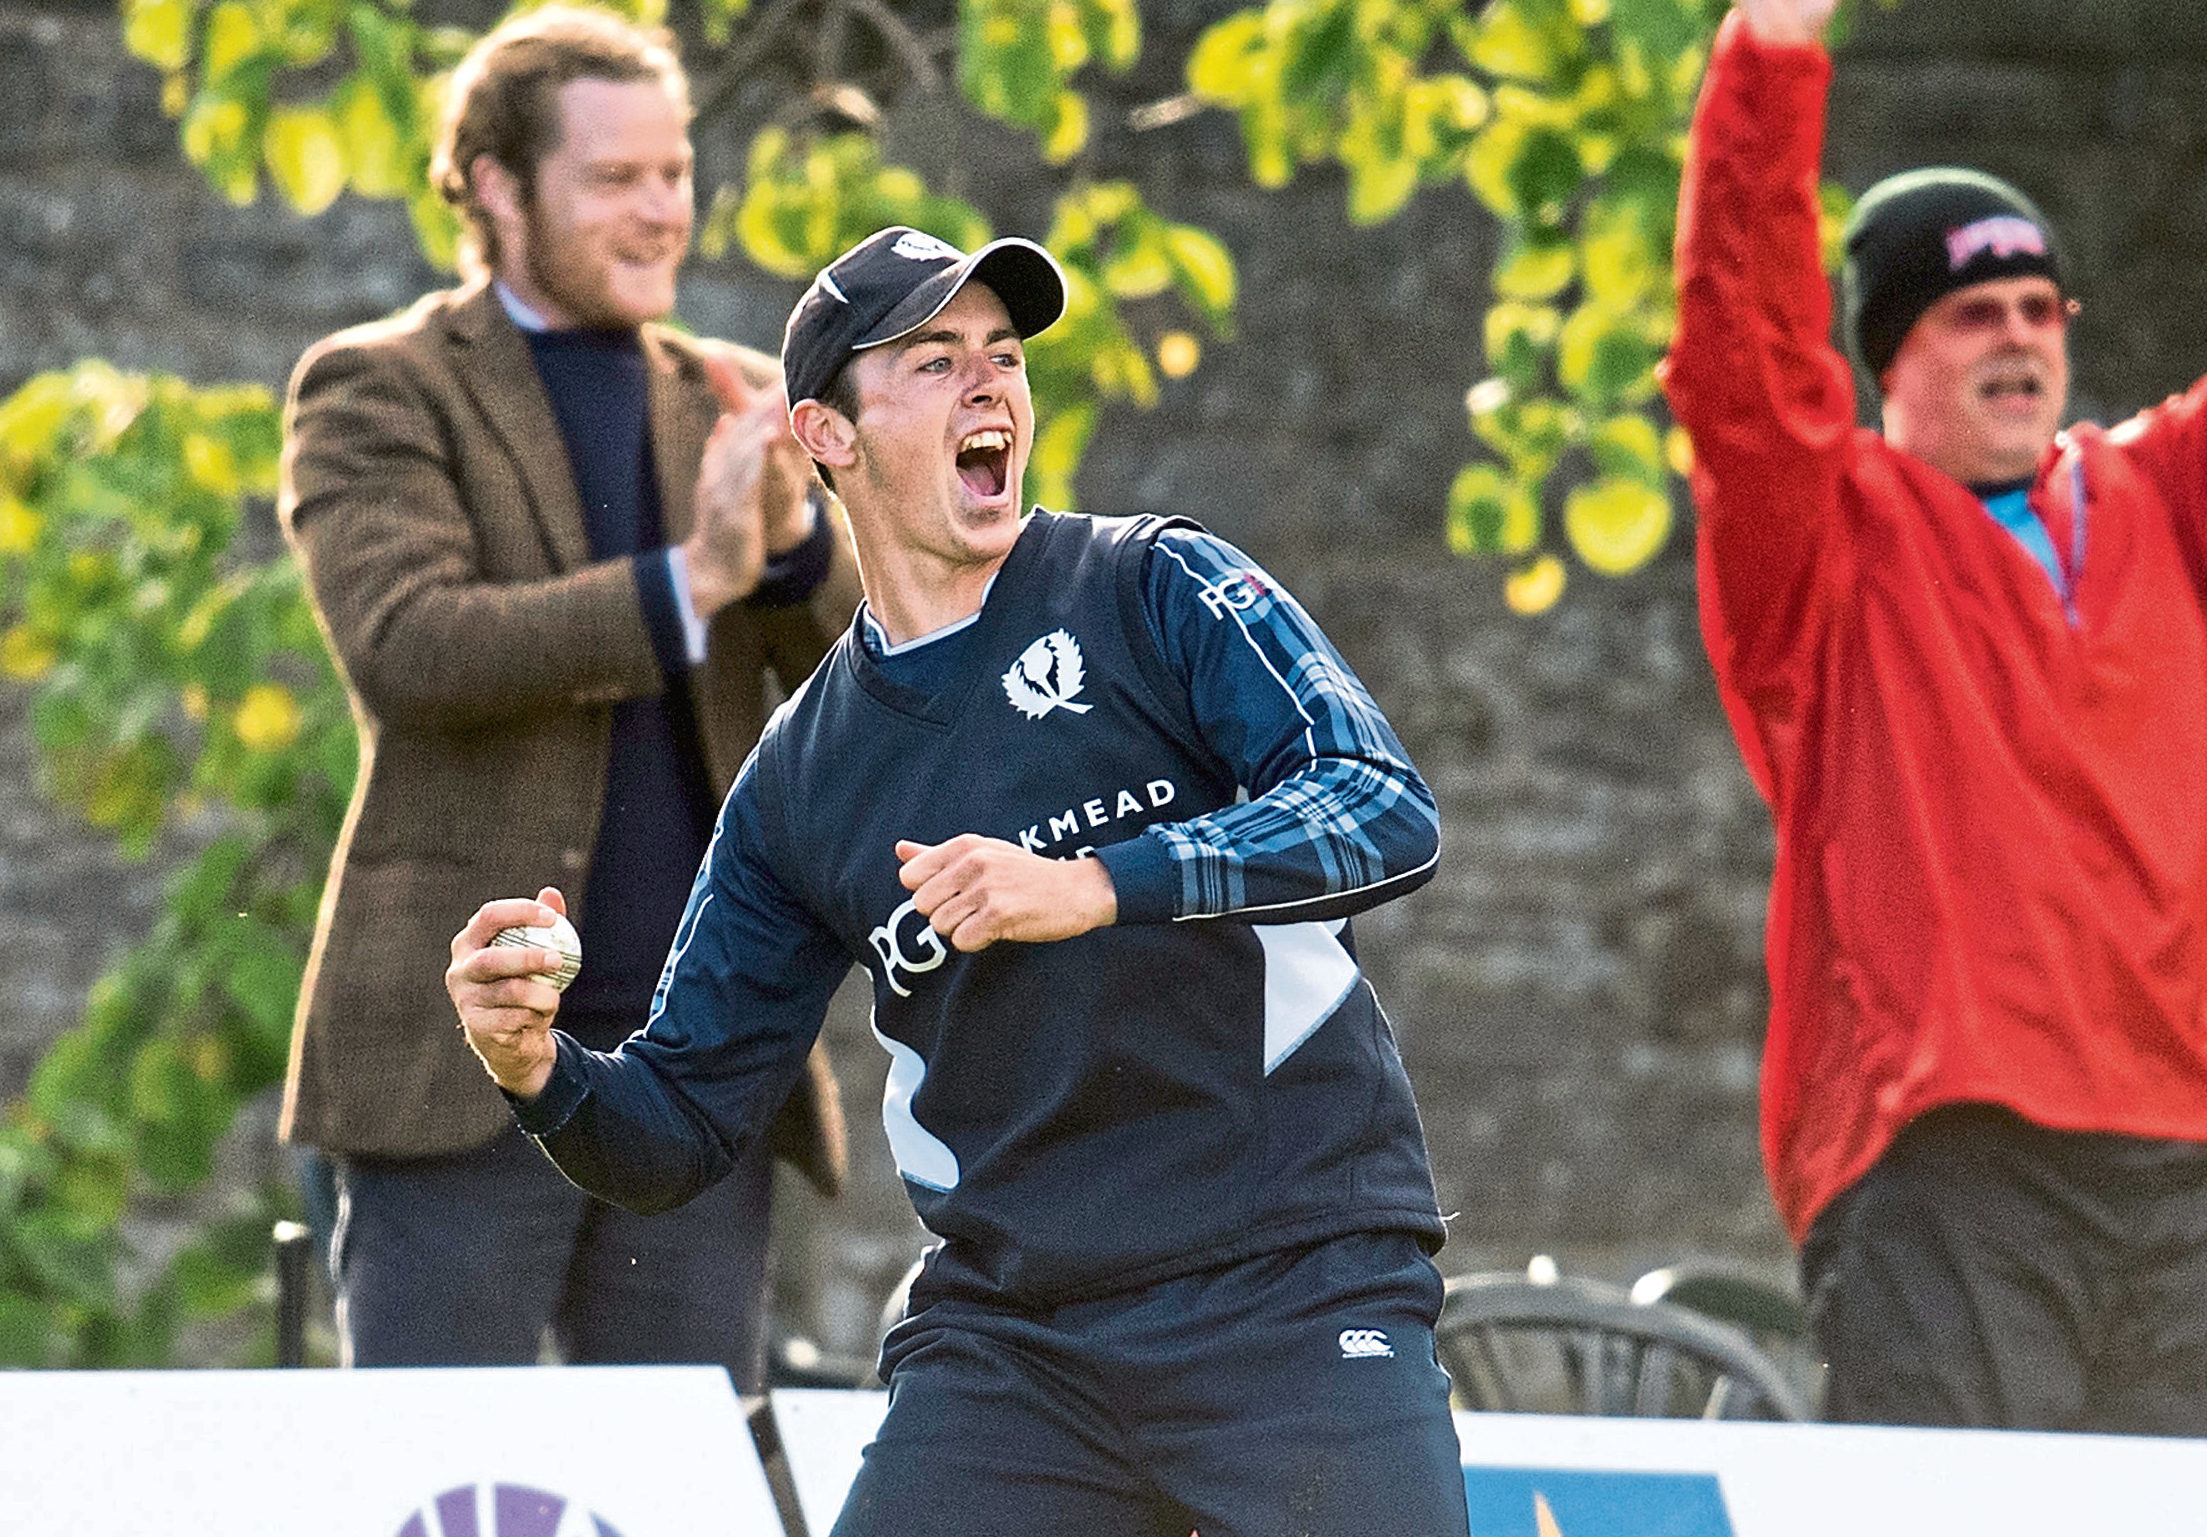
(1966, 662)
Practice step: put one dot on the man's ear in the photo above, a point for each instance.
(497, 189)
(826, 433)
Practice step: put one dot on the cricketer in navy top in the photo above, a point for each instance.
(1092, 800)
(1146, 1099)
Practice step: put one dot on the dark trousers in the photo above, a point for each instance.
(1991, 1272)
(469, 1260)
(1293, 1393)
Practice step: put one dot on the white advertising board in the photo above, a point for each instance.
(824, 1434)
(1541, 1476)
(604, 1451)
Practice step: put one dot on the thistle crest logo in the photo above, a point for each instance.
(1047, 676)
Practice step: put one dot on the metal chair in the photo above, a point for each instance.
(1573, 1346)
(1772, 1316)
(1763, 1310)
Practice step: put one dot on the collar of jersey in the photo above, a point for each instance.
(941, 707)
(879, 646)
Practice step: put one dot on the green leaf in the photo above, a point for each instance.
(1834, 205)
(233, 37)
(1518, 337)
(1490, 513)
(225, 1267)
(1529, 434)
(1509, 44)
(158, 31)
(374, 146)
(215, 130)
(1205, 269)
(1379, 188)
(66, 1257)
(1226, 66)
(30, 1332)
(1536, 269)
(1666, 28)
(159, 628)
(1142, 268)
(1621, 262)
(1617, 526)
(1603, 356)
(436, 227)
(263, 980)
(1628, 447)
(1006, 65)
(1114, 29)
(1066, 130)
(1060, 445)
(1490, 163)
(1320, 53)
(306, 155)
(1546, 171)
(180, 1114)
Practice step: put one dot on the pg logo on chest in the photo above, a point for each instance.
(889, 943)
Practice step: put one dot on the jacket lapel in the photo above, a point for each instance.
(494, 366)
(681, 420)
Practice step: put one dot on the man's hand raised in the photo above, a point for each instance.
(974, 891)
(504, 1010)
(751, 487)
(1788, 21)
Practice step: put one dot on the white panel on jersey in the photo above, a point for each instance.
(922, 1157)
(1306, 975)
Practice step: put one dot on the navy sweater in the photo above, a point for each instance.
(1151, 1098)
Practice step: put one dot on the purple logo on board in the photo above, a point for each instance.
(513, 1509)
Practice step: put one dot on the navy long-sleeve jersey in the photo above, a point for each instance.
(1206, 1079)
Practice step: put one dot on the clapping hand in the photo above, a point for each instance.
(751, 485)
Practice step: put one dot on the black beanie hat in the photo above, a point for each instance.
(1916, 237)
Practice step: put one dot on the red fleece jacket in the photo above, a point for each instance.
(1991, 881)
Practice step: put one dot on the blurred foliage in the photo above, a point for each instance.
(313, 98)
(1563, 119)
(1566, 120)
(806, 201)
(178, 689)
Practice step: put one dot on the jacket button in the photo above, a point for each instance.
(571, 859)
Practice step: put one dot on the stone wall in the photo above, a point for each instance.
(1579, 992)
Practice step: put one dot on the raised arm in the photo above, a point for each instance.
(1752, 375)
(1791, 22)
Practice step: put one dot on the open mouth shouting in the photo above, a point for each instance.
(984, 462)
(2016, 386)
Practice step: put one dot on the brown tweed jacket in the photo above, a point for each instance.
(427, 494)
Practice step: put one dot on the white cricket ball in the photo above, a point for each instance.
(561, 936)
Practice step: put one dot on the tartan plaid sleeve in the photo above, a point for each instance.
(1334, 818)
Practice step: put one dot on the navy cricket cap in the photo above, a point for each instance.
(1916, 237)
(895, 281)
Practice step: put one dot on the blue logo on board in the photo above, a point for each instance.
(1556, 1502)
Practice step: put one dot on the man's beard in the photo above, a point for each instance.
(586, 307)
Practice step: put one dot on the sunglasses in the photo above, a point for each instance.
(1986, 313)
